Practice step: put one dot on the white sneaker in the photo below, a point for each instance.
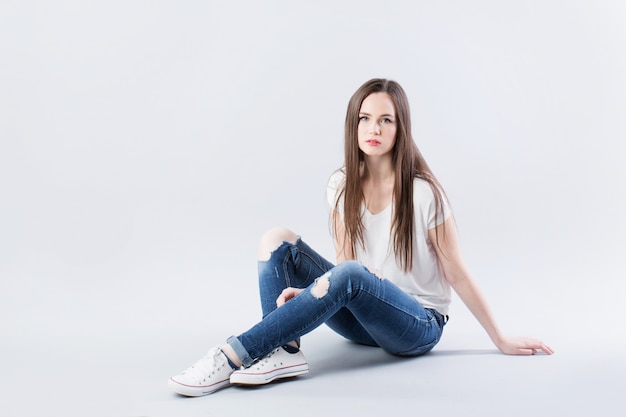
(277, 364)
(206, 376)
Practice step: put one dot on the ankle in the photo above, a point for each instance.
(231, 356)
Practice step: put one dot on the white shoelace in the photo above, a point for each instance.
(266, 359)
(208, 365)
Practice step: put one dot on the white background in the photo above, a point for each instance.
(146, 145)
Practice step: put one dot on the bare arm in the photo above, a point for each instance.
(460, 279)
(343, 248)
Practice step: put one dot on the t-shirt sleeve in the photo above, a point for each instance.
(424, 202)
(333, 190)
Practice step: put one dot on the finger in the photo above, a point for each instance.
(538, 345)
(282, 299)
(525, 351)
(286, 295)
(546, 349)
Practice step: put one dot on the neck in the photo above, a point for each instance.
(378, 169)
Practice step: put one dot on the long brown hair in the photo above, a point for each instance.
(408, 163)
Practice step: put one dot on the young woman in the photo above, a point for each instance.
(397, 258)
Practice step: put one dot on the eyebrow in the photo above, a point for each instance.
(382, 115)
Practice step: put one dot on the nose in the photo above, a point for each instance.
(375, 128)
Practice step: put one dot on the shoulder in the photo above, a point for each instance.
(336, 179)
(335, 184)
(433, 208)
(420, 184)
(422, 191)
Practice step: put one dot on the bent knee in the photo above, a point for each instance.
(272, 239)
(321, 285)
(350, 267)
(347, 274)
(355, 272)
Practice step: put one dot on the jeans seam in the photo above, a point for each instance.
(396, 306)
(314, 260)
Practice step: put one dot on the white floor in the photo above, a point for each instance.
(126, 375)
(102, 341)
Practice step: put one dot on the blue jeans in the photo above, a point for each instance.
(358, 305)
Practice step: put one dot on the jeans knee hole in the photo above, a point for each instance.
(320, 288)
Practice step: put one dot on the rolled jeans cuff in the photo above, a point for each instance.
(243, 354)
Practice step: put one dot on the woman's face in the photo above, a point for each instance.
(377, 125)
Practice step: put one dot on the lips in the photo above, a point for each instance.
(372, 142)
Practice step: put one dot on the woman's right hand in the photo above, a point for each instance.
(287, 294)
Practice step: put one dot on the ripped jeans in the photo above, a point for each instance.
(357, 304)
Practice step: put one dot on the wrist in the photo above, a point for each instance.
(498, 339)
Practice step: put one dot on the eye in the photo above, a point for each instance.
(386, 120)
(363, 119)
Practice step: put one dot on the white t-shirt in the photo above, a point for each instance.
(425, 280)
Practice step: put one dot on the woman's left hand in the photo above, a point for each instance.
(523, 346)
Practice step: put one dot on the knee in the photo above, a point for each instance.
(346, 274)
(349, 268)
(354, 273)
(272, 239)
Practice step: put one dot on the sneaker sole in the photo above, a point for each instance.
(243, 378)
(196, 391)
